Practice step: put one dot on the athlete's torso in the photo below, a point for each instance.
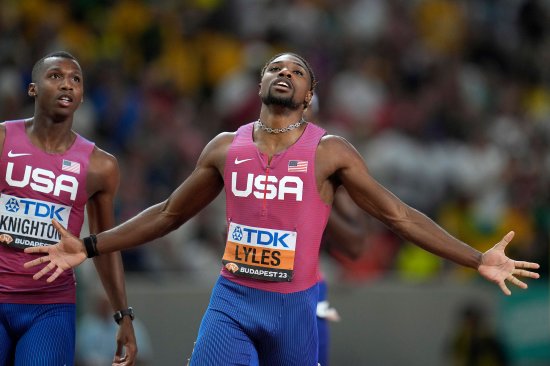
(35, 187)
(274, 213)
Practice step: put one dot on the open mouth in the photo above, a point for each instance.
(284, 84)
(65, 100)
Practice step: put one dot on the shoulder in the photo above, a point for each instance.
(215, 152)
(103, 172)
(223, 138)
(331, 144)
(335, 153)
(219, 144)
(102, 162)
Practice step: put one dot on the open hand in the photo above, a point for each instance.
(69, 252)
(498, 268)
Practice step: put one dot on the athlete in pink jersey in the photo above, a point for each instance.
(36, 187)
(50, 172)
(255, 316)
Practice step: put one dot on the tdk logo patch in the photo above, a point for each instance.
(237, 234)
(34, 209)
(12, 205)
(255, 236)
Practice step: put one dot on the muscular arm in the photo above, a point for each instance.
(102, 184)
(342, 164)
(196, 192)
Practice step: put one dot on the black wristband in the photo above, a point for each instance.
(90, 243)
(122, 313)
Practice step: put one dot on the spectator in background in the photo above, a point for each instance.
(474, 342)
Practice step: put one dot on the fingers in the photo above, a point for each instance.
(504, 288)
(120, 356)
(517, 282)
(120, 361)
(54, 275)
(524, 273)
(59, 227)
(41, 249)
(44, 270)
(529, 265)
(36, 261)
(47, 269)
(505, 240)
(123, 359)
(518, 271)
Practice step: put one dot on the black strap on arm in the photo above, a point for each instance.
(90, 243)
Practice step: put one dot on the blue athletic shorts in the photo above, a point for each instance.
(245, 326)
(37, 335)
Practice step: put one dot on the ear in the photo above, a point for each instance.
(31, 91)
(308, 99)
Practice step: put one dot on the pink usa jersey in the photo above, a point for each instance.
(274, 213)
(36, 187)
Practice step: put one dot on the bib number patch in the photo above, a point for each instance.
(26, 222)
(265, 254)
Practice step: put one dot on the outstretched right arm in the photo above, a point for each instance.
(196, 192)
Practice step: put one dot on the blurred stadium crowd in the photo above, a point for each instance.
(448, 101)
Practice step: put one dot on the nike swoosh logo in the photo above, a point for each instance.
(237, 161)
(11, 154)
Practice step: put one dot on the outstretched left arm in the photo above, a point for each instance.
(342, 161)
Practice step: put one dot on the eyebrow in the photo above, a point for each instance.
(58, 68)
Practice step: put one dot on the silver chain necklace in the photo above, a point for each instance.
(280, 130)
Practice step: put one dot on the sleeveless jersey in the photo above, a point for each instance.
(36, 187)
(274, 213)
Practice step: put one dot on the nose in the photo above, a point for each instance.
(285, 72)
(66, 84)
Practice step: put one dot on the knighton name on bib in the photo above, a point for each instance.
(26, 222)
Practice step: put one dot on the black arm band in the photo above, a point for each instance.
(90, 243)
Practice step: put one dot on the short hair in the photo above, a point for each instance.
(38, 65)
(304, 61)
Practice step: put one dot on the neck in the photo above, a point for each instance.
(50, 136)
(282, 129)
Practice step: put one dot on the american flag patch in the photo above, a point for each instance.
(297, 166)
(70, 166)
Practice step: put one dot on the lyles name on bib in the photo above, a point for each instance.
(260, 253)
